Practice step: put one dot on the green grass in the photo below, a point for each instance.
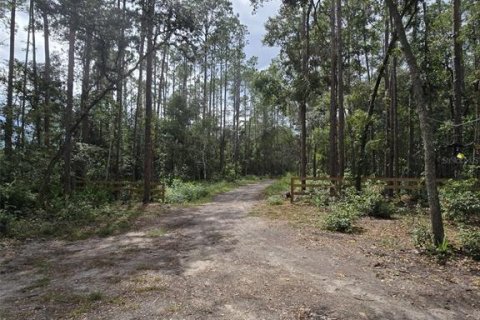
(77, 303)
(94, 296)
(155, 233)
(200, 192)
(275, 200)
(39, 283)
(103, 222)
(279, 187)
(86, 303)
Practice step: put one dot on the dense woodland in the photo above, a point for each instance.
(144, 90)
(156, 90)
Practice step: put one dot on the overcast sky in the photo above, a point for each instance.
(254, 21)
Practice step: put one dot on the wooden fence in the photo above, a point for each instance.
(128, 189)
(337, 182)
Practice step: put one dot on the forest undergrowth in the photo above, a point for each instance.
(398, 222)
(94, 211)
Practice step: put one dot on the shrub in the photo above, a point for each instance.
(471, 243)
(422, 238)
(275, 200)
(419, 197)
(321, 197)
(443, 251)
(17, 198)
(340, 220)
(72, 210)
(182, 192)
(95, 195)
(6, 220)
(382, 209)
(370, 202)
(250, 178)
(459, 201)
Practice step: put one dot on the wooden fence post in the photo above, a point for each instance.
(292, 189)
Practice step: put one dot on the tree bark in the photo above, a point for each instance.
(67, 183)
(457, 73)
(333, 152)
(46, 111)
(25, 78)
(148, 161)
(341, 110)
(87, 58)
(236, 104)
(205, 56)
(224, 118)
(303, 103)
(36, 99)
(119, 95)
(161, 84)
(136, 150)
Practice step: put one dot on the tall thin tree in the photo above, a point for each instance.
(8, 111)
(426, 130)
(148, 159)
(67, 152)
(457, 72)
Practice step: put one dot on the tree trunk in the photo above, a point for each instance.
(161, 83)
(25, 78)
(393, 124)
(388, 150)
(165, 85)
(411, 108)
(9, 107)
(367, 59)
(46, 111)
(333, 152)
(136, 150)
(36, 100)
(211, 88)
(457, 75)
(205, 54)
(147, 174)
(67, 183)
(411, 134)
(426, 130)
(303, 102)
(119, 96)
(341, 111)
(236, 153)
(224, 118)
(394, 113)
(87, 58)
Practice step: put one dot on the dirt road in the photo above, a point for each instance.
(215, 261)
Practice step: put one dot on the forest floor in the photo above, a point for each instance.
(218, 261)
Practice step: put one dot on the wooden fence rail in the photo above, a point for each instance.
(334, 183)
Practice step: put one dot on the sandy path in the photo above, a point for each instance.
(214, 262)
